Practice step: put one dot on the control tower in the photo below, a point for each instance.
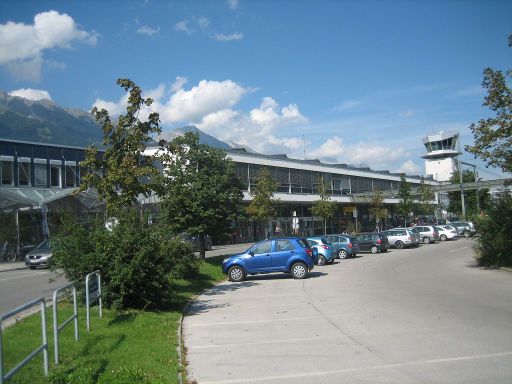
(441, 152)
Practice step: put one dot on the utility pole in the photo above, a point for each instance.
(461, 185)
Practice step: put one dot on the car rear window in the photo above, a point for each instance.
(303, 243)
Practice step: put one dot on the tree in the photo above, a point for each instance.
(470, 196)
(325, 208)
(493, 136)
(123, 172)
(201, 193)
(426, 196)
(263, 205)
(494, 241)
(378, 209)
(404, 193)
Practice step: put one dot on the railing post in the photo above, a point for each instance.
(56, 327)
(88, 299)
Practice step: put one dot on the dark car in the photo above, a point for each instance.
(344, 245)
(194, 241)
(39, 256)
(372, 242)
(291, 255)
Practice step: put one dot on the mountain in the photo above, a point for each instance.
(44, 121)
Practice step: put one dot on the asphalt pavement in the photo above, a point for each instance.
(424, 315)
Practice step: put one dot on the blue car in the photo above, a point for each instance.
(344, 245)
(324, 247)
(284, 254)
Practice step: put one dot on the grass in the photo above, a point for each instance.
(122, 347)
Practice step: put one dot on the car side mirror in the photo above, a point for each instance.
(315, 252)
(251, 253)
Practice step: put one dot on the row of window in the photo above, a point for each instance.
(302, 181)
(26, 174)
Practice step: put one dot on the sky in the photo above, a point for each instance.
(356, 82)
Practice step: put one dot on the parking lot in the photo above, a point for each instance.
(423, 315)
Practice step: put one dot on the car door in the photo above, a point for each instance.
(261, 257)
(283, 251)
(364, 242)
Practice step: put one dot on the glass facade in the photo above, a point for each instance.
(299, 181)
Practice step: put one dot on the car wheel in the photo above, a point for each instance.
(443, 238)
(399, 244)
(236, 273)
(374, 249)
(299, 270)
(466, 234)
(321, 260)
(208, 247)
(32, 267)
(426, 240)
(342, 254)
(384, 250)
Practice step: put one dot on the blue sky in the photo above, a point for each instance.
(357, 82)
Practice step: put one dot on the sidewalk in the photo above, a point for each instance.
(8, 266)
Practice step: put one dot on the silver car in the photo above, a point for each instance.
(39, 256)
(402, 237)
(428, 233)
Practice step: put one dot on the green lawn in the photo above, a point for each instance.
(122, 347)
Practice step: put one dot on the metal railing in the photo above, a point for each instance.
(42, 348)
(92, 293)
(56, 327)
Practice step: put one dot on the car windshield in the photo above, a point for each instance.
(45, 245)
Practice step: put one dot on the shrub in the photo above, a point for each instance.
(137, 260)
(494, 243)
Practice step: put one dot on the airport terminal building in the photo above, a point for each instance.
(38, 177)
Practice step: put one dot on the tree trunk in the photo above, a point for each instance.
(202, 247)
(325, 227)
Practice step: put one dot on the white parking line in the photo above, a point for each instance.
(276, 341)
(21, 276)
(458, 249)
(252, 321)
(360, 369)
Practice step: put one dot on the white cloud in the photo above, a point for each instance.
(409, 167)
(232, 4)
(24, 45)
(148, 31)
(31, 94)
(331, 149)
(210, 105)
(233, 37)
(203, 22)
(348, 105)
(205, 98)
(183, 26)
(178, 84)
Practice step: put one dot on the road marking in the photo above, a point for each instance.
(459, 249)
(24, 275)
(252, 321)
(360, 369)
(295, 340)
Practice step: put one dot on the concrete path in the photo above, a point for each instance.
(410, 316)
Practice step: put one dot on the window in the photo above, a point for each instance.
(55, 176)
(24, 174)
(40, 175)
(284, 245)
(265, 247)
(7, 172)
(70, 176)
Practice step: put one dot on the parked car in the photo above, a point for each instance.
(194, 241)
(39, 256)
(344, 245)
(465, 228)
(373, 242)
(324, 248)
(428, 233)
(447, 232)
(402, 237)
(285, 254)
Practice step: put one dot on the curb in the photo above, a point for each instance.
(12, 269)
